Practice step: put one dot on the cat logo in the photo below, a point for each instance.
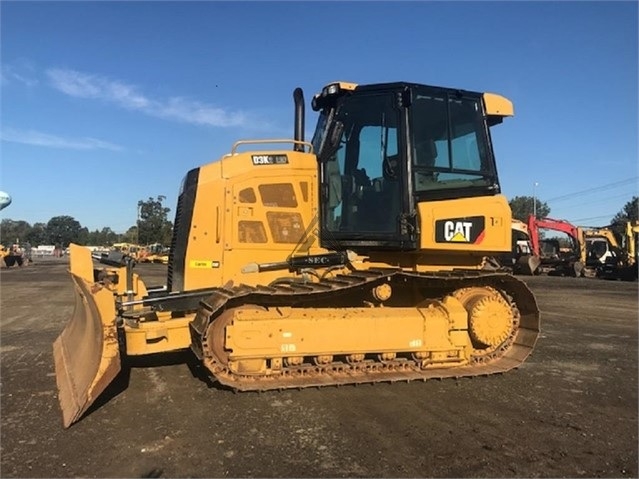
(457, 231)
(460, 230)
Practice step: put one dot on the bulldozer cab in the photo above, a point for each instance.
(384, 148)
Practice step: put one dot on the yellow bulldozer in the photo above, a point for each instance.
(357, 257)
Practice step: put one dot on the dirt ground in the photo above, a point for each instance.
(569, 411)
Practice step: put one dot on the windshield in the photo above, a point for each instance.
(450, 145)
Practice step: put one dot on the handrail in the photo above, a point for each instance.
(253, 142)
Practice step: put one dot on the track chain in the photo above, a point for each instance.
(510, 354)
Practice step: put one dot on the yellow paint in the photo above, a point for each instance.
(158, 336)
(497, 222)
(430, 330)
(86, 354)
(246, 226)
(248, 213)
(498, 105)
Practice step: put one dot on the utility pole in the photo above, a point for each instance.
(137, 223)
(535, 185)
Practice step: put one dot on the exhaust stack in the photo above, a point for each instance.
(298, 97)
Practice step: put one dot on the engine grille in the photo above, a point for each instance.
(181, 228)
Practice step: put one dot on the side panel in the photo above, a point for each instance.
(478, 224)
(248, 207)
(271, 218)
(202, 264)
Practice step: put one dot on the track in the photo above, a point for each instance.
(353, 291)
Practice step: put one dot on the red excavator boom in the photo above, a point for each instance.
(572, 265)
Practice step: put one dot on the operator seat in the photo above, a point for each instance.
(425, 157)
(425, 152)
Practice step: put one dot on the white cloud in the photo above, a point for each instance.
(22, 74)
(36, 138)
(84, 85)
(73, 84)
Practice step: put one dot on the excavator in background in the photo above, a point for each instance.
(525, 261)
(601, 245)
(621, 260)
(553, 260)
(595, 251)
(520, 259)
(358, 257)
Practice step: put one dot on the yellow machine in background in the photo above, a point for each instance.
(154, 253)
(130, 249)
(599, 247)
(358, 257)
(11, 256)
(617, 258)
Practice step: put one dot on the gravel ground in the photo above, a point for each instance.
(569, 411)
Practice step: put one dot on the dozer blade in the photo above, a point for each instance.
(86, 354)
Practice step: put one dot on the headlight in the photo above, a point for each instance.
(333, 89)
(320, 100)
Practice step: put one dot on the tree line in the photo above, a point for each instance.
(152, 226)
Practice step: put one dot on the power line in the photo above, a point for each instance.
(600, 201)
(591, 190)
(593, 218)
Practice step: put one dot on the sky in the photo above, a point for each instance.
(107, 103)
